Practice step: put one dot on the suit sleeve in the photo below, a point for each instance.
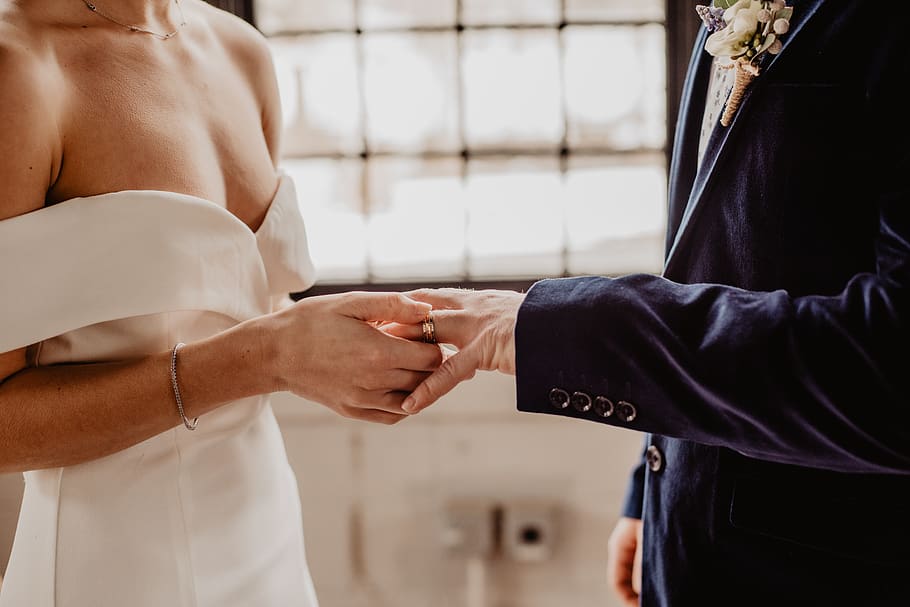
(820, 381)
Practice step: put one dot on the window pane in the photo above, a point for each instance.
(406, 13)
(414, 210)
(515, 217)
(615, 86)
(614, 10)
(417, 221)
(329, 195)
(411, 91)
(615, 214)
(512, 88)
(274, 16)
(499, 12)
(320, 98)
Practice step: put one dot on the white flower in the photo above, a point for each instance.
(742, 25)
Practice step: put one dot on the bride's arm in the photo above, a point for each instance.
(319, 348)
(67, 414)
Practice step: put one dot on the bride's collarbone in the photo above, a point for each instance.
(132, 114)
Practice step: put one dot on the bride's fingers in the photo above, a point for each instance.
(439, 298)
(391, 402)
(388, 401)
(375, 416)
(401, 354)
(409, 332)
(456, 369)
(383, 307)
(402, 380)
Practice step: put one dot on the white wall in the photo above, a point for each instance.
(372, 498)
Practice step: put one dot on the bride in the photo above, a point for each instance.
(142, 210)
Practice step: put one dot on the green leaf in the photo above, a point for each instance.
(769, 40)
(724, 4)
(784, 13)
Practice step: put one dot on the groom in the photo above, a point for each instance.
(769, 363)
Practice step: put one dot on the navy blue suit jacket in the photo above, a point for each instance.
(769, 364)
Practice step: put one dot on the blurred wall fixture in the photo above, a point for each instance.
(528, 531)
(479, 530)
(468, 528)
(518, 530)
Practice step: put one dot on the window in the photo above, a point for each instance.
(460, 141)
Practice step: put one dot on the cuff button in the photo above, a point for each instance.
(581, 402)
(603, 406)
(626, 411)
(559, 398)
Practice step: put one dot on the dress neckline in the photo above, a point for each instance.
(172, 195)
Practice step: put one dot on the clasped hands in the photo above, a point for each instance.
(363, 354)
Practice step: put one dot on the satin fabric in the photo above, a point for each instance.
(190, 519)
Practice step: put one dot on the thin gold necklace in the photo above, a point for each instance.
(136, 28)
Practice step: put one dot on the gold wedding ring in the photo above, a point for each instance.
(429, 329)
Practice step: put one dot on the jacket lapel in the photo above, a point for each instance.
(802, 12)
(683, 163)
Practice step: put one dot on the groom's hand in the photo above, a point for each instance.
(330, 350)
(624, 560)
(481, 324)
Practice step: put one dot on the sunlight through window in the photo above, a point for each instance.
(451, 141)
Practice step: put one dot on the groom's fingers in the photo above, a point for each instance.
(456, 369)
(452, 327)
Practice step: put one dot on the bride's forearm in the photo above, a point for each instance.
(68, 414)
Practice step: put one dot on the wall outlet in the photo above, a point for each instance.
(468, 528)
(528, 530)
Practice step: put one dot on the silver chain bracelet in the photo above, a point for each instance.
(186, 422)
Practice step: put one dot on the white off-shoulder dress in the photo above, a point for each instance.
(184, 519)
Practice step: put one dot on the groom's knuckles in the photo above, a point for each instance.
(453, 327)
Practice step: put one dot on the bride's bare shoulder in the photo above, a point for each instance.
(249, 51)
(243, 41)
(29, 140)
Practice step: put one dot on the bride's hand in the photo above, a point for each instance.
(330, 350)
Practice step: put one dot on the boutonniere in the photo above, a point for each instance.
(744, 31)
